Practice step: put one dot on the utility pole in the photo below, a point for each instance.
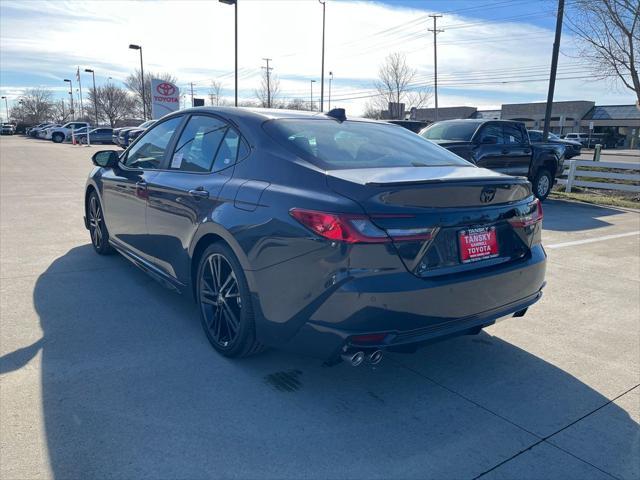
(312, 82)
(191, 94)
(435, 58)
(268, 70)
(322, 74)
(554, 68)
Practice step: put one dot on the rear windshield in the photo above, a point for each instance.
(332, 145)
(454, 131)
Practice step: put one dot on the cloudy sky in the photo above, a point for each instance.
(491, 51)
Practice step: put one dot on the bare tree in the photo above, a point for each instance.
(59, 112)
(113, 104)
(215, 93)
(296, 104)
(36, 105)
(372, 110)
(609, 35)
(134, 84)
(396, 84)
(269, 92)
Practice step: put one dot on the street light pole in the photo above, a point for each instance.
(144, 99)
(73, 112)
(322, 74)
(235, 6)
(312, 82)
(330, 79)
(95, 93)
(6, 107)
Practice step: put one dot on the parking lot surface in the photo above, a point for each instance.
(105, 374)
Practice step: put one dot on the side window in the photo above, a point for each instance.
(491, 133)
(203, 143)
(535, 136)
(149, 151)
(228, 151)
(513, 135)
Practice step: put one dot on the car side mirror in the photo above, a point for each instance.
(106, 158)
(489, 140)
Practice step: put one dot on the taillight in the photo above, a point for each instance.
(534, 216)
(351, 228)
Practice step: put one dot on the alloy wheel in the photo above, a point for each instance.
(543, 185)
(95, 222)
(220, 300)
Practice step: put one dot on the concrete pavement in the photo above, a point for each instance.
(105, 374)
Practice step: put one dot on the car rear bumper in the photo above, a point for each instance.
(413, 311)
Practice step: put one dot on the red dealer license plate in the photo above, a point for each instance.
(477, 244)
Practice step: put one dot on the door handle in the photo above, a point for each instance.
(199, 193)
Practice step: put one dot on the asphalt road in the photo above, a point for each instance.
(105, 374)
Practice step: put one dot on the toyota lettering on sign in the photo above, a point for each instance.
(165, 98)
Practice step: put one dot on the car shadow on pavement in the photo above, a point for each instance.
(132, 389)
(563, 216)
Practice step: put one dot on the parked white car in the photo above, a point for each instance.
(42, 132)
(60, 134)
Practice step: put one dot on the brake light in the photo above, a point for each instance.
(535, 216)
(351, 228)
(340, 227)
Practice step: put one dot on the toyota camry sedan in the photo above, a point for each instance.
(335, 237)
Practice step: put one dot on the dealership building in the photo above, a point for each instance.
(623, 121)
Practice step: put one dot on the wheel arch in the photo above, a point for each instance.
(207, 235)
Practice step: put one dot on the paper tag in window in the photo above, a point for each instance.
(176, 161)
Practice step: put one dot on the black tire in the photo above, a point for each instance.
(542, 184)
(57, 138)
(228, 308)
(97, 228)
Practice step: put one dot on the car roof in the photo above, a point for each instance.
(255, 113)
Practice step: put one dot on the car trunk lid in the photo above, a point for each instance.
(458, 204)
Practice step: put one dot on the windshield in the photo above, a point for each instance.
(458, 131)
(342, 145)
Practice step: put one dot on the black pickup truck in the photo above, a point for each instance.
(501, 145)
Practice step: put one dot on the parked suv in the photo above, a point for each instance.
(7, 129)
(60, 134)
(503, 146)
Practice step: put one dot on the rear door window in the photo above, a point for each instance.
(206, 144)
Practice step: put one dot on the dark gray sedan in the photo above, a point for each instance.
(339, 238)
(97, 135)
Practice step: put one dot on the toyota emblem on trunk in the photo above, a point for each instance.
(487, 195)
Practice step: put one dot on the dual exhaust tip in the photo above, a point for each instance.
(356, 358)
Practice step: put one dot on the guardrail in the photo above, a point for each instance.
(573, 172)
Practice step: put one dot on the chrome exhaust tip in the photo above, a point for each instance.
(375, 357)
(353, 358)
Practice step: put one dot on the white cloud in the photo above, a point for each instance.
(194, 41)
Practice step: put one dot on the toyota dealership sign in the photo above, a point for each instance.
(165, 98)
